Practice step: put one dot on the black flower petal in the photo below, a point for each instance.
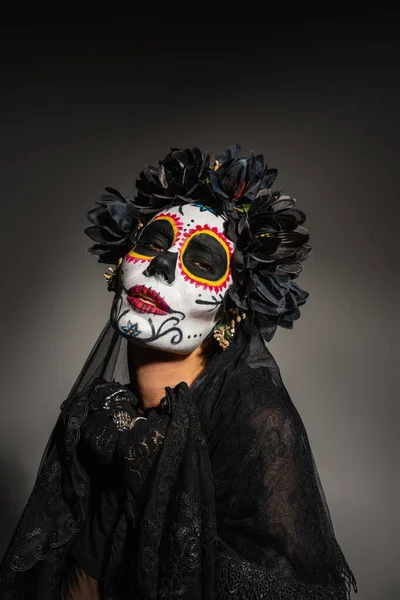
(114, 222)
(269, 177)
(230, 153)
(102, 235)
(255, 167)
(123, 215)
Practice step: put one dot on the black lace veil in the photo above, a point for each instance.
(234, 507)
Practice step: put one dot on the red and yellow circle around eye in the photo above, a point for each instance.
(220, 283)
(176, 225)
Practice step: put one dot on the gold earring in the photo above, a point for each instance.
(112, 276)
(225, 331)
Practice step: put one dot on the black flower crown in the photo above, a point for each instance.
(271, 241)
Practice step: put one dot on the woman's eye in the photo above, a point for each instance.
(202, 265)
(157, 247)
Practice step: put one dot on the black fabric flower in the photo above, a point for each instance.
(269, 300)
(173, 182)
(237, 180)
(115, 224)
(271, 235)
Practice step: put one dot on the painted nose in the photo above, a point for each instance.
(164, 266)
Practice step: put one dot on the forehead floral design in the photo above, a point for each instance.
(266, 227)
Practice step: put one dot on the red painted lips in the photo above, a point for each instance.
(146, 300)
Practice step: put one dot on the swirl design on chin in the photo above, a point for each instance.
(159, 333)
(155, 335)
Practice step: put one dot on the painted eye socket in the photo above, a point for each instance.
(205, 258)
(156, 238)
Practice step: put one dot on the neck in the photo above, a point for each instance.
(151, 371)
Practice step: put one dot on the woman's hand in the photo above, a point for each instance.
(111, 412)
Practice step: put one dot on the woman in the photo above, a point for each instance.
(179, 467)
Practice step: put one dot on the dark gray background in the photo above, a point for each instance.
(85, 106)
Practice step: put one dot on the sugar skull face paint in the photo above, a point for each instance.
(174, 279)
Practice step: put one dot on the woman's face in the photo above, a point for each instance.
(173, 281)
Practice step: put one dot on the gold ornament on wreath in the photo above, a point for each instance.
(226, 330)
(111, 276)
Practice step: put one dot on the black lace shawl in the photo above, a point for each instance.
(222, 496)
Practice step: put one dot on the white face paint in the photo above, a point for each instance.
(174, 279)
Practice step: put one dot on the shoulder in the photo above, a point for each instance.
(262, 390)
(256, 400)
